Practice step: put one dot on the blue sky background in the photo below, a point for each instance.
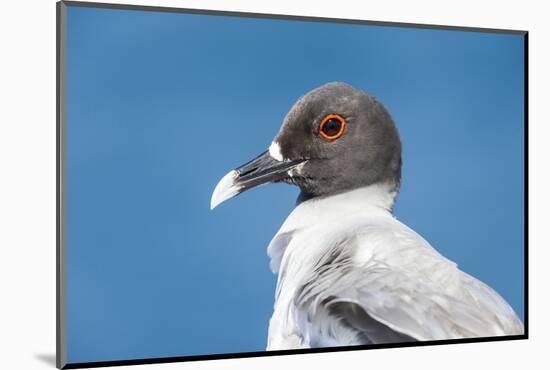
(161, 106)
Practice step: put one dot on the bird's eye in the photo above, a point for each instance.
(332, 127)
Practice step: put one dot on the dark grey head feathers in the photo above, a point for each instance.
(334, 139)
(368, 152)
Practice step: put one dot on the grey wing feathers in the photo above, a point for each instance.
(423, 297)
(368, 330)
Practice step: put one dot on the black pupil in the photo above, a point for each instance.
(332, 127)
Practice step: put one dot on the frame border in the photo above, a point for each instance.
(61, 151)
(226, 13)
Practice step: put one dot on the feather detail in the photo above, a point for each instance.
(350, 273)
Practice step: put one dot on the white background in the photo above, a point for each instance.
(27, 182)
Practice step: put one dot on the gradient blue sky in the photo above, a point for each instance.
(161, 105)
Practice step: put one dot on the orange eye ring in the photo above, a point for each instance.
(328, 134)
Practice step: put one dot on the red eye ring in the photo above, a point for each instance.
(339, 133)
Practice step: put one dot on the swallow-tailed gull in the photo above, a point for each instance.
(349, 273)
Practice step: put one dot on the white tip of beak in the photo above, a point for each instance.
(225, 189)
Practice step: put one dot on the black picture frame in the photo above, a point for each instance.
(61, 340)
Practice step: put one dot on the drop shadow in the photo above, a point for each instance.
(46, 358)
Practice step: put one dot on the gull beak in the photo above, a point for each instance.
(263, 169)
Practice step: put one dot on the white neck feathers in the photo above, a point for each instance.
(371, 200)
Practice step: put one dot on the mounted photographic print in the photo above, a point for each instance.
(392, 159)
